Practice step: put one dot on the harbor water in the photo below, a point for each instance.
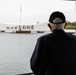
(15, 52)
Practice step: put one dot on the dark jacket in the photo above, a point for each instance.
(54, 54)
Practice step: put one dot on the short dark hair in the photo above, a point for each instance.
(57, 14)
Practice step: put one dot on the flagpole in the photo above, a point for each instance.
(20, 17)
(20, 14)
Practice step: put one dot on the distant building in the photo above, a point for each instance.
(33, 28)
(38, 28)
(2, 27)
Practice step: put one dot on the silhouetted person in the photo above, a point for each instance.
(55, 53)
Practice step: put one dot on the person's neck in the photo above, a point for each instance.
(58, 29)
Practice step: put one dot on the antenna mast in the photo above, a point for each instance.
(20, 14)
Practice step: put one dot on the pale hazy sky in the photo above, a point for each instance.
(34, 11)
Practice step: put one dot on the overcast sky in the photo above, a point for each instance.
(34, 11)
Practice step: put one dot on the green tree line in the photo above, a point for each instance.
(71, 25)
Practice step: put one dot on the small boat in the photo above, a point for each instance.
(40, 31)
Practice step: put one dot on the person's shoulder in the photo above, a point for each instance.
(45, 36)
(72, 35)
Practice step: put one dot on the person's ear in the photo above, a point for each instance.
(49, 26)
(65, 25)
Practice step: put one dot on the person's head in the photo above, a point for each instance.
(57, 20)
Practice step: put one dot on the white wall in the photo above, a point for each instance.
(41, 27)
(2, 27)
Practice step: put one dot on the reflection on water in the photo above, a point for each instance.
(15, 52)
